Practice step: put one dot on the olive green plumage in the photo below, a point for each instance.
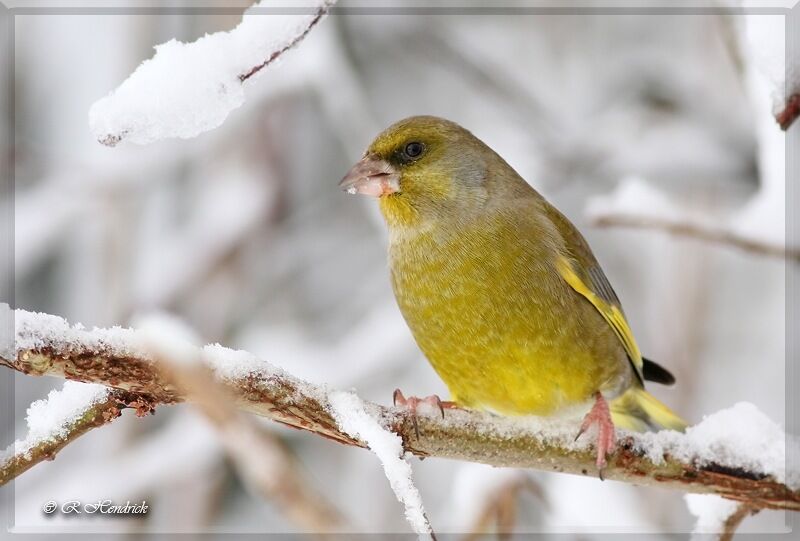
(501, 292)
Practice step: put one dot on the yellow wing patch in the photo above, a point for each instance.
(611, 313)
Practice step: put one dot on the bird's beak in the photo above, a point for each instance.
(371, 176)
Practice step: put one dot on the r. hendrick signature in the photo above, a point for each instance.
(102, 507)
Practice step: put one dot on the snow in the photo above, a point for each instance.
(51, 418)
(161, 334)
(236, 364)
(34, 331)
(737, 437)
(711, 511)
(740, 437)
(186, 89)
(349, 412)
(168, 338)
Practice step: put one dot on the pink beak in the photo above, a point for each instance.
(371, 176)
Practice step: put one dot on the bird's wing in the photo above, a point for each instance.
(598, 291)
(582, 272)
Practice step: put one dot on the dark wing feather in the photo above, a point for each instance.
(656, 372)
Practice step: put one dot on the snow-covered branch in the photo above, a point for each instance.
(351, 415)
(736, 453)
(62, 418)
(186, 89)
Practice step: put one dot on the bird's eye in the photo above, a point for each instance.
(413, 149)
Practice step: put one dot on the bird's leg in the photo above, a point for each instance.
(600, 415)
(412, 402)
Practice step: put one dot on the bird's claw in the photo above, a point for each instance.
(606, 438)
(399, 399)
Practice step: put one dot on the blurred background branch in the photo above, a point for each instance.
(698, 231)
(501, 506)
(264, 463)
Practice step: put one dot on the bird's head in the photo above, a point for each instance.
(423, 168)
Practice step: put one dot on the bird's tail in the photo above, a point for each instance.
(638, 410)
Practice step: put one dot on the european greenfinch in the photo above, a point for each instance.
(502, 293)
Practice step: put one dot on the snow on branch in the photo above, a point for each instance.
(737, 453)
(61, 418)
(349, 412)
(186, 89)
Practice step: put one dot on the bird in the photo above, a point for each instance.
(500, 290)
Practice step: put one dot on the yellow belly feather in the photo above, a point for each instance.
(486, 324)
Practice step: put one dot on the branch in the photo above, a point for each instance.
(46, 345)
(696, 231)
(19, 459)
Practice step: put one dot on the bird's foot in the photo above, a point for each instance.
(606, 438)
(412, 402)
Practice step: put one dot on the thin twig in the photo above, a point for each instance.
(696, 231)
(320, 13)
(464, 435)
